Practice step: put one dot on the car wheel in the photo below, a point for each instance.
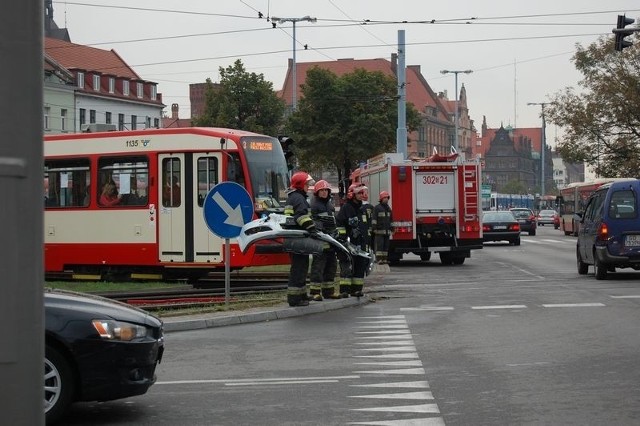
(556, 226)
(600, 269)
(59, 386)
(583, 268)
(446, 258)
(532, 232)
(516, 242)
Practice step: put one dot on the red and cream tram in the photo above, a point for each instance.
(129, 204)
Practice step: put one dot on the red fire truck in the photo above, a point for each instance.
(435, 203)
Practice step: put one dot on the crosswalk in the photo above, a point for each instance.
(386, 359)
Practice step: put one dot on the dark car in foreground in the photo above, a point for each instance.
(526, 219)
(96, 349)
(500, 226)
(609, 232)
(549, 217)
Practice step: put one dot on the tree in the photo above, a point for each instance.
(341, 121)
(514, 187)
(242, 101)
(602, 121)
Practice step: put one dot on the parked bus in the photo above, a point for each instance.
(573, 199)
(130, 204)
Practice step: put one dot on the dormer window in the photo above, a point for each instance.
(140, 91)
(80, 80)
(154, 92)
(112, 84)
(96, 83)
(125, 87)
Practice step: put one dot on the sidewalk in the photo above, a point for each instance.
(219, 319)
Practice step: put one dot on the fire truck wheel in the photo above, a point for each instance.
(446, 258)
(458, 260)
(425, 256)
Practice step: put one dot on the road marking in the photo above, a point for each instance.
(572, 305)
(395, 349)
(408, 355)
(275, 379)
(429, 308)
(413, 371)
(631, 296)
(529, 364)
(427, 421)
(403, 395)
(285, 382)
(413, 363)
(384, 322)
(385, 317)
(380, 326)
(396, 343)
(384, 332)
(500, 307)
(400, 336)
(422, 408)
(415, 384)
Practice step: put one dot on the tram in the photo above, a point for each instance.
(129, 204)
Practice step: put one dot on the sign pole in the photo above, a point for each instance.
(227, 271)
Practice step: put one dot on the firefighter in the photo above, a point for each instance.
(325, 264)
(381, 225)
(298, 207)
(351, 221)
(367, 210)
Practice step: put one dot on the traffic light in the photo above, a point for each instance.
(621, 32)
(286, 143)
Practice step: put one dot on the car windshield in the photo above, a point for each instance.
(498, 217)
(547, 213)
(521, 213)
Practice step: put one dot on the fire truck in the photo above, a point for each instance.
(435, 201)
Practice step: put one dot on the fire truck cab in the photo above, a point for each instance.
(435, 204)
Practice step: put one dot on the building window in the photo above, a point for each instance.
(81, 80)
(63, 120)
(148, 123)
(83, 116)
(107, 117)
(156, 123)
(92, 116)
(96, 83)
(112, 84)
(154, 92)
(140, 90)
(47, 112)
(134, 125)
(120, 121)
(125, 87)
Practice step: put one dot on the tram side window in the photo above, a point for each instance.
(171, 184)
(234, 169)
(207, 176)
(123, 181)
(67, 183)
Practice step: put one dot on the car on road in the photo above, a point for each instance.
(500, 226)
(526, 219)
(548, 217)
(609, 232)
(96, 349)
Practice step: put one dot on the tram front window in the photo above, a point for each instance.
(268, 172)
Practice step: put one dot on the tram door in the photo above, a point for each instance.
(185, 179)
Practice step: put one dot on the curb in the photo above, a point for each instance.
(172, 324)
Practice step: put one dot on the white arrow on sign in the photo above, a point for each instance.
(234, 215)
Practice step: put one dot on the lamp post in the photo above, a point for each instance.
(455, 139)
(543, 144)
(307, 18)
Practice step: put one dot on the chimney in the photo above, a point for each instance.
(174, 111)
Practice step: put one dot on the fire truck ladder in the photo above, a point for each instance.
(470, 194)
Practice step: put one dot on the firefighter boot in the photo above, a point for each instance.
(328, 290)
(297, 300)
(356, 287)
(315, 291)
(345, 288)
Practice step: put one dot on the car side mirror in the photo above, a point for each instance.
(578, 216)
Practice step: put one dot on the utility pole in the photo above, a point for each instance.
(294, 89)
(401, 132)
(455, 139)
(543, 145)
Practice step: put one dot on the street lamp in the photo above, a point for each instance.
(293, 21)
(543, 144)
(455, 139)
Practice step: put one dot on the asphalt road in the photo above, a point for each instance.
(512, 337)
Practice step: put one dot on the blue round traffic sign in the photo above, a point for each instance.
(227, 208)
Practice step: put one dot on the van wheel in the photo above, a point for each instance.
(600, 269)
(583, 268)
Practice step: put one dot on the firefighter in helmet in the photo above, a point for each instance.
(352, 224)
(298, 207)
(367, 211)
(325, 264)
(381, 225)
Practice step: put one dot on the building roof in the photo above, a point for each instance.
(78, 57)
(533, 134)
(418, 92)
